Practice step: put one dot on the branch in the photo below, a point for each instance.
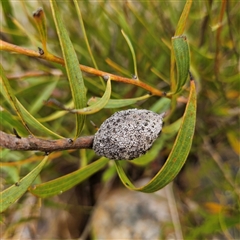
(5, 46)
(31, 143)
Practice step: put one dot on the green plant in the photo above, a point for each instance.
(44, 121)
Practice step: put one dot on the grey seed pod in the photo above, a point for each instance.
(127, 134)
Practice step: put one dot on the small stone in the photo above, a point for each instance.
(127, 134)
(124, 214)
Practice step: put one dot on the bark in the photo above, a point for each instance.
(31, 143)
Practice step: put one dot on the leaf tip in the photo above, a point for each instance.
(38, 14)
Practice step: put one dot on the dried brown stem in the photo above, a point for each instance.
(31, 143)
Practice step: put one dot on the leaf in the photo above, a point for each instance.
(10, 95)
(183, 19)
(160, 75)
(161, 105)
(233, 139)
(8, 11)
(8, 14)
(80, 19)
(36, 124)
(179, 31)
(117, 103)
(97, 106)
(132, 52)
(146, 25)
(178, 155)
(152, 153)
(62, 184)
(109, 173)
(118, 68)
(40, 20)
(7, 121)
(13, 193)
(57, 114)
(72, 67)
(24, 115)
(212, 224)
(173, 128)
(37, 104)
(182, 56)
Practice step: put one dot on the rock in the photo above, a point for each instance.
(125, 214)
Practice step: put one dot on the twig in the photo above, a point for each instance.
(32, 143)
(5, 46)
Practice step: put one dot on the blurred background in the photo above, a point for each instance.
(203, 201)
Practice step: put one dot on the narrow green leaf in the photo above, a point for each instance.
(152, 153)
(173, 81)
(37, 104)
(178, 155)
(10, 95)
(118, 68)
(182, 56)
(125, 180)
(72, 67)
(97, 106)
(32, 121)
(142, 20)
(24, 115)
(78, 10)
(173, 128)
(109, 173)
(179, 31)
(160, 75)
(119, 18)
(132, 52)
(10, 172)
(57, 114)
(162, 105)
(13, 193)
(183, 19)
(8, 11)
(176, 86)
(8, 14)
(8, 121)
(118, 103)
(62, 184)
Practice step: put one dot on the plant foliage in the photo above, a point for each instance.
(95, 59)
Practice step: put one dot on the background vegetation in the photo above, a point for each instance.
(207, 189)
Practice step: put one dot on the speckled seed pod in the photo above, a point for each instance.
(127, 134)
